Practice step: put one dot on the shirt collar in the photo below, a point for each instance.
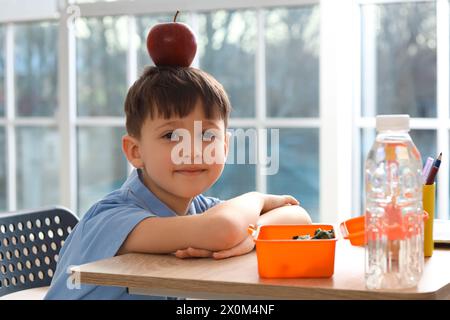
(149, 199)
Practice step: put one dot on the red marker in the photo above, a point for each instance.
(434, 170)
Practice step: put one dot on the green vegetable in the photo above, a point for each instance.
(318, 234)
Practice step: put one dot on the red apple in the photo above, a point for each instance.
(172, 44)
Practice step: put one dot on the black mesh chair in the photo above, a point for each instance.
(30, 242)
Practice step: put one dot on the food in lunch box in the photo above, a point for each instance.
(305, 237)
(318, 234)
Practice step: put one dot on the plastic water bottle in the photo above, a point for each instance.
(394, 214)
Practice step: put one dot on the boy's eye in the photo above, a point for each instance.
(171, 136)
(208, 136)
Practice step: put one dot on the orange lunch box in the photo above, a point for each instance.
(280, 256)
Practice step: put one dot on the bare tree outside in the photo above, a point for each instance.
(406, 74)
(406, 59)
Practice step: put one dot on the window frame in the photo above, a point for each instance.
(66, 118)
(441, 123)
(339, 120)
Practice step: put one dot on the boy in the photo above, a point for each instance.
(157, 210)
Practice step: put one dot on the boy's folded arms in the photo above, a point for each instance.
(220, 232)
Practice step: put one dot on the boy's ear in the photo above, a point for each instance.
(130, 147)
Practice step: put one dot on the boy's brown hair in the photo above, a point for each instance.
(173, 91)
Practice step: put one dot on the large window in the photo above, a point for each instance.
(101, 66)
(29, 143)
(225, 38)
(292, 91)
(101, 165)
(400, 74)
(35, 66)
(286, 65)
(229, 38)
(101, 57)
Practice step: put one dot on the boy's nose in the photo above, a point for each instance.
(197, 151)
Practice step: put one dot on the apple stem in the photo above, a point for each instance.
(176, 14)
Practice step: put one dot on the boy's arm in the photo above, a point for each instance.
(285, 215)
(221, 227)
(282, 215)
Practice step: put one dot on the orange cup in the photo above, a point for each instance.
(354, 230)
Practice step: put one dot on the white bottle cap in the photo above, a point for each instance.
(393, 122)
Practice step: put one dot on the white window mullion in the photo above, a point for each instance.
(28, 10)
(442, 35)
(260, 98)
(139, 7)
(132, 51)
(365, 118)
(67, 112)
(100, 121)
(357, 111)
(10, 116)
(369, 25)
(276, 122)
(292, 122)
(369, 53)
(35, 122)
(336, 71)
(194, 24)
(390, 1)
(242, 123)
(131, 61)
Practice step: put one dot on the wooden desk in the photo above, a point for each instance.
(237, 278)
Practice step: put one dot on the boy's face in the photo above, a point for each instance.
(179, 167)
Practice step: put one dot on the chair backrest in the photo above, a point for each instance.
(30, 242)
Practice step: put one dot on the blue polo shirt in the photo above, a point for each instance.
(101, 232)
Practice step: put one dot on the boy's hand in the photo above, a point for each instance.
(193, 253)
(242, 248)
(272, 201)
(285, 215)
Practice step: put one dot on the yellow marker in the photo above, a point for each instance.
(428, 198)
